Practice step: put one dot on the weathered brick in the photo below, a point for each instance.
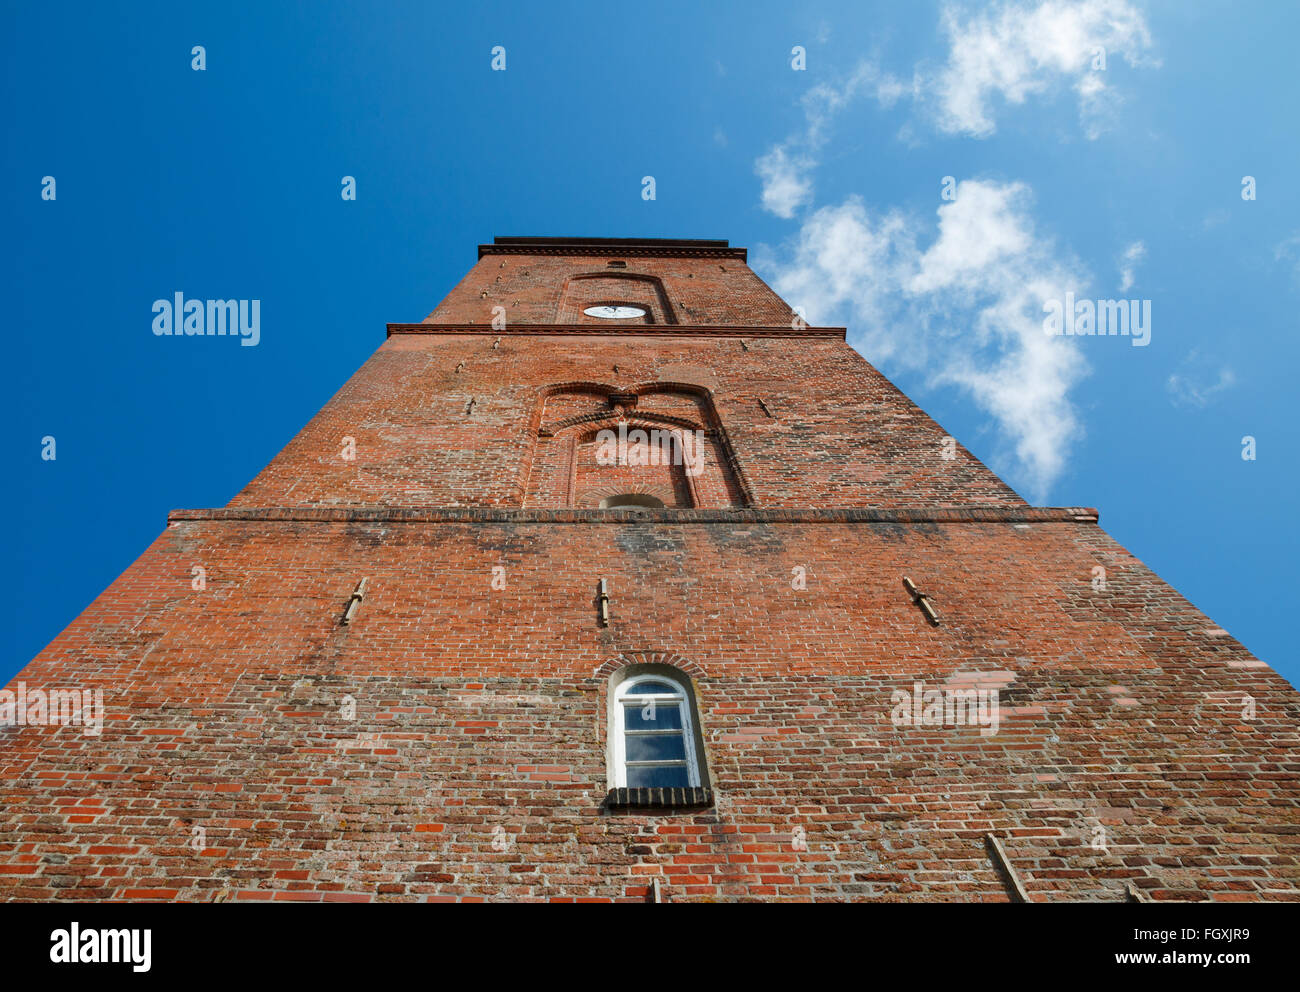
(448, 744)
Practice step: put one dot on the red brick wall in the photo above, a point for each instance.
(839, 433)
(475, 766)
(542, 289)
(481, 708)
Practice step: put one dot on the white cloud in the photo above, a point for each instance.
(1098, 105)
(1016, 50)
(1288, 251)
(786, 170)
(1199, 380)
(966, 308)
(1021, 49)
(786, 182)
(1129, 261)
(1214, 218)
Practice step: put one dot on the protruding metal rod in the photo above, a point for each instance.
(469, 407)
(921, 599)
(354, 601)
(1018, 893)
(603, 599)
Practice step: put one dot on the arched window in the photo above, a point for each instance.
(653, 741)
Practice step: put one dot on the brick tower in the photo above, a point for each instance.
(612, 579)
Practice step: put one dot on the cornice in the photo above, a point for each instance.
(621, 251)
(775, 515)
(654, 330)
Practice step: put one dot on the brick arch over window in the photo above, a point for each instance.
(591, 498)
(569, 460)
(650, 656)
(586, 289)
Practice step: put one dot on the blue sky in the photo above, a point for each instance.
(226, 183)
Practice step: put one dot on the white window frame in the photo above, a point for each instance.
(679, 696)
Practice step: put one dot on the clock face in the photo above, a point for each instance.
(612, 312)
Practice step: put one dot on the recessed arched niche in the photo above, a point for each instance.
(657, 445)
(615, 287)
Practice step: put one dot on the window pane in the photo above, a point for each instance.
(663, 716)
(656, 747)
(657, 777)
(643, 688)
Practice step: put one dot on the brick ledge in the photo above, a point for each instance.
(656, 330)
(493, 515)
(659, 798)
